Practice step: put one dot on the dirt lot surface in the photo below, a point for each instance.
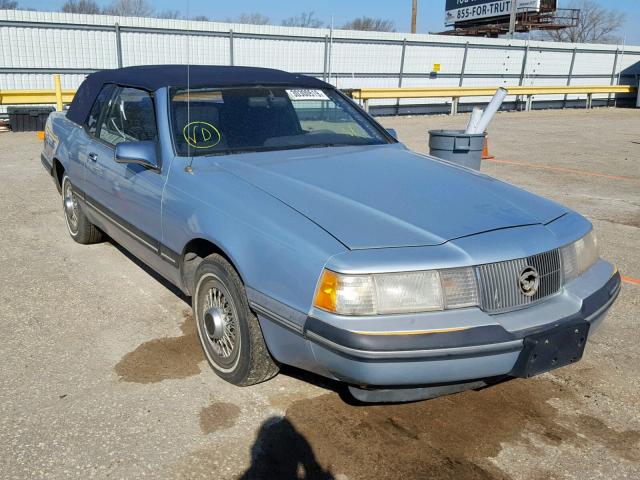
(102, 374)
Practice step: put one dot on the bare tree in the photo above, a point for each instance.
(596, 24)
(8, 5)
(89, 7)
(305, 19)
(251, 19)
(200, 18)
(370, 24)
(129, 8)
(169, 14)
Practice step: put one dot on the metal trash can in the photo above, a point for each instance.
(457, 147)
(28, 119)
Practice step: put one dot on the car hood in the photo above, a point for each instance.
(388, 196)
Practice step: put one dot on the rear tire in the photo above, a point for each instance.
(78, 225)
(229, 332)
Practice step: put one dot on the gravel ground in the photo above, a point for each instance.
(102, 375)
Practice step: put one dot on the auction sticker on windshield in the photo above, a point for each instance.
(306, 94)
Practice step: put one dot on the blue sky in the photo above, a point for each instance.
(430, 17)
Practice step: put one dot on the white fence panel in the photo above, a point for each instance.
(289, 54)
(628, 60)
(549, 63)
(594, 62)
(365, 58)
(50, 48)
(154, 48)
(33, 45)
(494, 61)
(421, 59)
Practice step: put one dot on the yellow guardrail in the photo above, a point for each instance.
(366, 94)
(33, 97)
(57, 96)
(435, 92)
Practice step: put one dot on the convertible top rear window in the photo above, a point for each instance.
(210, 121)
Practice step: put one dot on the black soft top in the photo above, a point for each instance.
(153, 77)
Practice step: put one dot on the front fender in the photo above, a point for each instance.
(277, 251)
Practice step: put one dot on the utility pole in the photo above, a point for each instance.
(512, 17)
(414, 16)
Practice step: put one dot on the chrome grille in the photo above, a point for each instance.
(500, 287)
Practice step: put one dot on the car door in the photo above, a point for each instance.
(127, 195)
(85, 136)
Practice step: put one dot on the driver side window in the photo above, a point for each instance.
(130, 117)
(91, 124)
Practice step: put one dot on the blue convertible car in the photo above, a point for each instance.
(307, 235)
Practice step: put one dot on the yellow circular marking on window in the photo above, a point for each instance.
(201, 134)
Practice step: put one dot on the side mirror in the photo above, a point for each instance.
(140, 153)
(392, 132)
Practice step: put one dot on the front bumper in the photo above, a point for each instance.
(478, 347)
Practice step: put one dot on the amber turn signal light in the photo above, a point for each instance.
(326, 292)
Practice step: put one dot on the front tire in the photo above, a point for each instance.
(229, 332)
(78, 225)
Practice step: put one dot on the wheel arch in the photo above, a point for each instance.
(193, 253)
(57, 172)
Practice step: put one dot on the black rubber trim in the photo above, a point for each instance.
(134, 232)
(595, 301)
(169, 255)
(45, 163)
(474, 336)
(118, 221)
(277, 319)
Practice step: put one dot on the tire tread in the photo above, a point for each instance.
(88, 233)
(260, 365)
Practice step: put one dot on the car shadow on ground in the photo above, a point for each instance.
(152, 273)
(319, 381)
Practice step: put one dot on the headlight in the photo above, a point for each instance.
(579, 256)
(391, 293)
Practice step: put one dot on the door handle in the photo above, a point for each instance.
(93, 157)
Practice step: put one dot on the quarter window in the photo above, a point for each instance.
(130, 117)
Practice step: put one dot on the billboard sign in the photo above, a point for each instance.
(457, 11)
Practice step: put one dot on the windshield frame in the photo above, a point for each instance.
(357, 110)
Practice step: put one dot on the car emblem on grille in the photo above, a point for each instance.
(529, 281)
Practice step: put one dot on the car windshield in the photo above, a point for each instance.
(212, 121)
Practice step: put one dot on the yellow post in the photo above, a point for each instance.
(58, 88)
